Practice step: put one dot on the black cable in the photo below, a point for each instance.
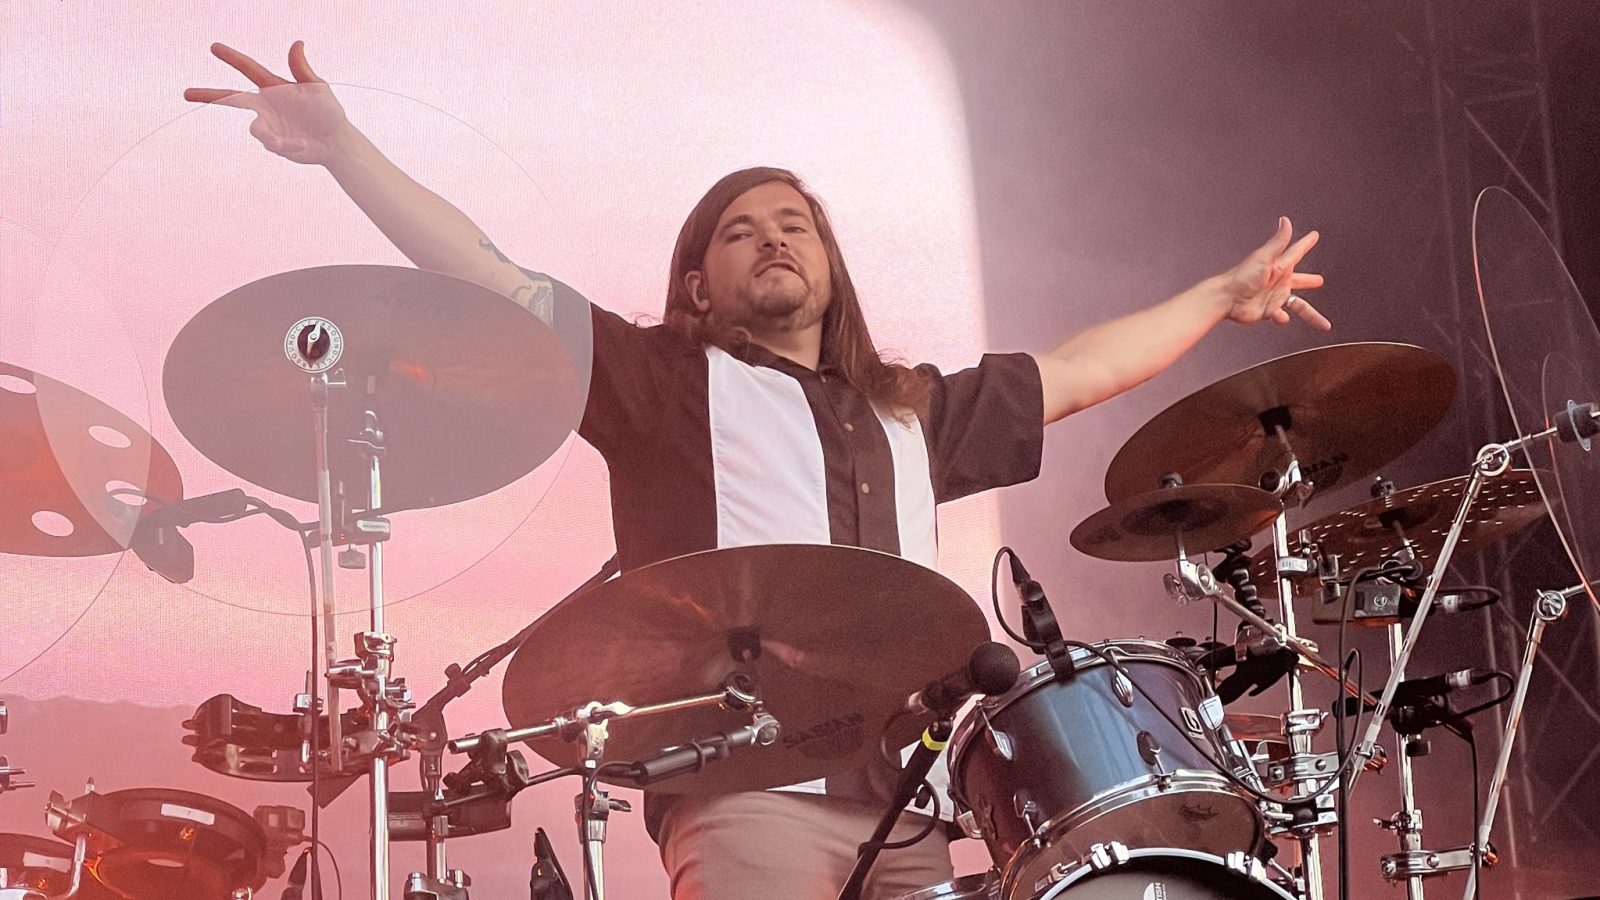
(994, 594)
(338, 878)
(933, 822)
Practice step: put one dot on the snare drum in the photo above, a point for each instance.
(1052, 767)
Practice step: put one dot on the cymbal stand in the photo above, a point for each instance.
(1550, 606)
(1492, 460)
(385, 698)
(1301, 724)
(7, 771)
(591, 723)
(321, 385)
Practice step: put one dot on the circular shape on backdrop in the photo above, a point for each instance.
(1546, 350)
(197, 209)
(74, 415)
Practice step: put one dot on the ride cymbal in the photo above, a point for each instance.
(836, 638)
(471, 391)
(1346, 410)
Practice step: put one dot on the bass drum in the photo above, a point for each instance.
(1117, 873)
(1053, 767)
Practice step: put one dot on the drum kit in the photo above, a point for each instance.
(1105, 769)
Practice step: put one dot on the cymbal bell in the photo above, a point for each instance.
(471, 391)
(841, 637)
(1346, 410)
(1193, 518)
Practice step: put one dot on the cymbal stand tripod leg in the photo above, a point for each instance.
(1550, 606)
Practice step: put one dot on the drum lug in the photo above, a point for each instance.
(999, 741)
(967, 820)
(1028, 811)
(1123, 688)
(1105, 856)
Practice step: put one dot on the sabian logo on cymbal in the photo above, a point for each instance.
(1325, 473)
(832, 738)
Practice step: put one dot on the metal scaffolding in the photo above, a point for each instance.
(1486, 69)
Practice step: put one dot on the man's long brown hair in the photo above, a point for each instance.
(846, 344)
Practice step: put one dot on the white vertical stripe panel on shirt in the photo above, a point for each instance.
(762, 429)
(913, 488)
(766, 457)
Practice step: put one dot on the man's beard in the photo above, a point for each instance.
(781, 309)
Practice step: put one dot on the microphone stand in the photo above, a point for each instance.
(934, 739)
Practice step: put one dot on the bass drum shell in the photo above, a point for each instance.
(1076, 756)
(1163, 873)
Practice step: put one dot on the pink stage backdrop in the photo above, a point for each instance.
(578, 136)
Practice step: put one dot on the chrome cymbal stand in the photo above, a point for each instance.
(8, 773)
(1550, 606)
(385, 698)
(1300, 723)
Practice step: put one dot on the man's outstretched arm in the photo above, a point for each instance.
(1103, 361)
(302, 121)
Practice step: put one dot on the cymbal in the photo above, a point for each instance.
(1347, 410)
(1147, 527)
(845, 636)
(1366, 534)
(65, 452)
(472, 392)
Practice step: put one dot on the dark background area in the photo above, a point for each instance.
(1123, 151)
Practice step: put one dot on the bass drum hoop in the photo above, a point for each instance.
(1138, 860)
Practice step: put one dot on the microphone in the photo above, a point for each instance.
(1440, 685)
(991, 669)
(295, 889)
(693, 756)
(1039, 624)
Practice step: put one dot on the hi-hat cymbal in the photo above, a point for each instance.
(845, 636)
(1346, 409)
(1371, 532)
(1149, 527)
(65, 452)
(472, 392)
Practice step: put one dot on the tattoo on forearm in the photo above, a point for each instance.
(488, 245)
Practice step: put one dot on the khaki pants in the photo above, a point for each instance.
(778, 845)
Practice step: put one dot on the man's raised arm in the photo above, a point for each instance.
(302, 121)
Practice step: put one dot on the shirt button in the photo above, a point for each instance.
(866, 488)
(824, 379)
(849, 427)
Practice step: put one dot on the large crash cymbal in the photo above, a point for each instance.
(1346, 409)
(1371, 532)
(845, 636)
(472, 392)
(1148, 527)
(64, 453)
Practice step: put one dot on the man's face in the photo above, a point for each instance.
(766, 268)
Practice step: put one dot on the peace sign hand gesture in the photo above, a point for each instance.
(299, 120)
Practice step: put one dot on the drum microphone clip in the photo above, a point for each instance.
(1039, 625)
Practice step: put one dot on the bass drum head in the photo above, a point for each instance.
(1166, 874)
